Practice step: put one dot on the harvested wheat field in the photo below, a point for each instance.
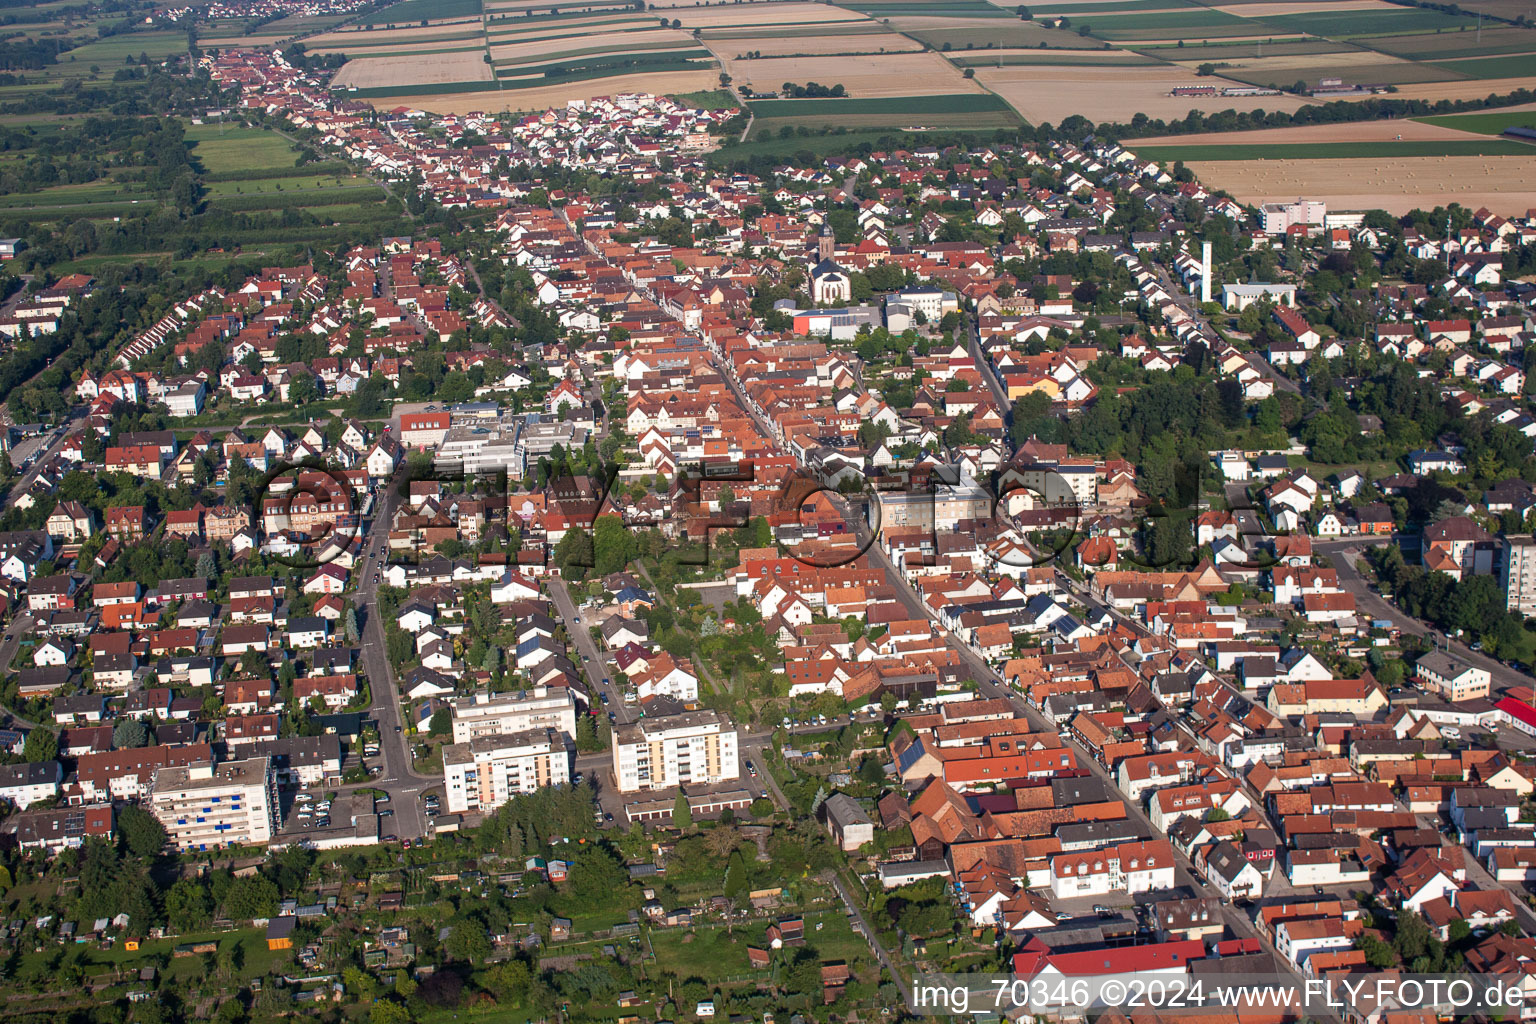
(763, 14)
(1504, 184)
(554, 49)
(1111, 94)
(538, 98)
(398, 72)
(782, 46)
(867, 77)
(1359, 131)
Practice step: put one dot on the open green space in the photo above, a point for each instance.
(223, 148)
(715, 99)
(408, 11)
(1339, 150)
(1492, 123)
(1522, 66)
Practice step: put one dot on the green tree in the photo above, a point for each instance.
(129, 733)
(388, 1012)
(142, 832)
(188, 906)
(441, 723)
(610, 545)
(41, 745)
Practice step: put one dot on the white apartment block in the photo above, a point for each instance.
(206, 806)
(1519, 574)
(507, 714)
(485, 772)
(657, 753)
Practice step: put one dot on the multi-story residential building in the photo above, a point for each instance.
(487, 771)
(22, 785)
(507, 714)
(655, 753)
(1518, 573)
(1452, 678)
(206, 806)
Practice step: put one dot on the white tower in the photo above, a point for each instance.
(1205, 272)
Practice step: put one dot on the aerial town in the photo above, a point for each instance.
(594, 570)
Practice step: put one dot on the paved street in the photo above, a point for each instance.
(592, 663)
(401, 781)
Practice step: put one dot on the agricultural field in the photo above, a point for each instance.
(982, 33)
(869, 76)
(1042, 94)
(435, 69)
(1491, 67)
(898, 112)
(1356, 68)
(1045, 58)
(1395, 185)
(1491, 123)
(408, 11)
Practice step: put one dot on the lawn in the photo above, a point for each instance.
(224, 148)
(1492, 67)
(1339, 150)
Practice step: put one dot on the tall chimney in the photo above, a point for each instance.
(1205, 272)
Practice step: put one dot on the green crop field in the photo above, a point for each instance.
(949, 9)
(1491, 123)
(1337, 150)
(1523, 66)
(1435, 45)
(1055, 58)
(1015, 34)
(114, 50)
(1236, 50)
(837, 143)
(422, 10)
(1073, 10)
(1351, 74)
(583, 68)
(959, 103)
(1398, 21)
(572, 58)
